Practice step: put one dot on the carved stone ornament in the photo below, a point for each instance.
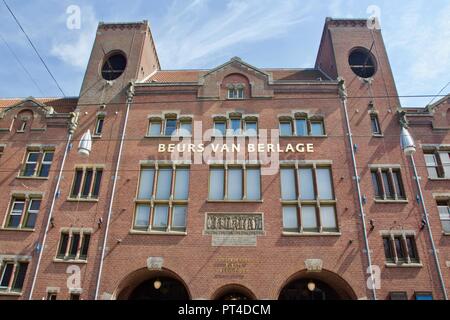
(314, 265)
(155, 263)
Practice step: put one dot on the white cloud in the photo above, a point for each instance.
(77, 44)
(194, 34)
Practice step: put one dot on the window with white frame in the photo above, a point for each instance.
(235, 91)
(387, 184)
(74, 244)
(438, 163)
(161, 202)
(170, 125)
(307, 198)
(375, 124)
(301, 126)
(23, 212)
(236, 124)
(235, 182)
(99, 125)
(37, 163)
(12, 275)
(86, 183)
(444, 214)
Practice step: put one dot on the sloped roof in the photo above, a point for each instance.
(192, 76)
(60, 104)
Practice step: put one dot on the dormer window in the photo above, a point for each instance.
(235, 91)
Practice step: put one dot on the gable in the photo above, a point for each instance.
(212, 82)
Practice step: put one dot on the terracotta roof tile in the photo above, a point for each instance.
(64, 104)
(184, 76)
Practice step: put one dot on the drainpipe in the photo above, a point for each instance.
(343, 98)
(72, 126)
(130, 94)
(408, 146)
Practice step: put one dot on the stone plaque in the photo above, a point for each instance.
(155, 263)
(313, 265)
(231, 240)
(235, 266)
(234, 224)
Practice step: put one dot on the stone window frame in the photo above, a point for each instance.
(16, 260)
(95, 168)
(391, 236)
(78, 258)
(243, 165)
(235, 91)
(443, 198)
(153, 202)
(52, 292)
(101, 117)
(398, 295)
(374, 117)
(25, 197)
(235, 115)
(41, 150)
(297, 203)
(399, 196)
(440, 165)
(301, 115)
(161, 119)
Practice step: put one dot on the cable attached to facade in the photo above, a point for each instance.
(343, 97)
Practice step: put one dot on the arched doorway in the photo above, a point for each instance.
(152, 285)
(233, 292)
(324, 285)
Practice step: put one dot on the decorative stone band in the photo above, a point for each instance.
(234, 224)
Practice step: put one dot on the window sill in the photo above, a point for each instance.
(10, 293)
(377, 135)
(31, 178)
(81, 200)
(240, 135)
(438, 179)
(295, 136)
(447, 234)
(311, 234)
(18, 229)
(403, 265)
(163, 233)
(391, 201)
(166, 137)
(96, 136)
(59, 260)
(234, 201)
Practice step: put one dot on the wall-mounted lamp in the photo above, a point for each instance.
(157, 284)
(407, 142)
(85, 146)
(355, 147)
(372, 224)
(100, 222)
(311, 286)
(52, 222)
(364, 199)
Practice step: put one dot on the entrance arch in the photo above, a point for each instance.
(234, 292)
(144, 284)
(324, 285)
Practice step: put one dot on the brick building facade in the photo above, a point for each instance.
(125, 220)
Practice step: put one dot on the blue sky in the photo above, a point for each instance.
(206, 33)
